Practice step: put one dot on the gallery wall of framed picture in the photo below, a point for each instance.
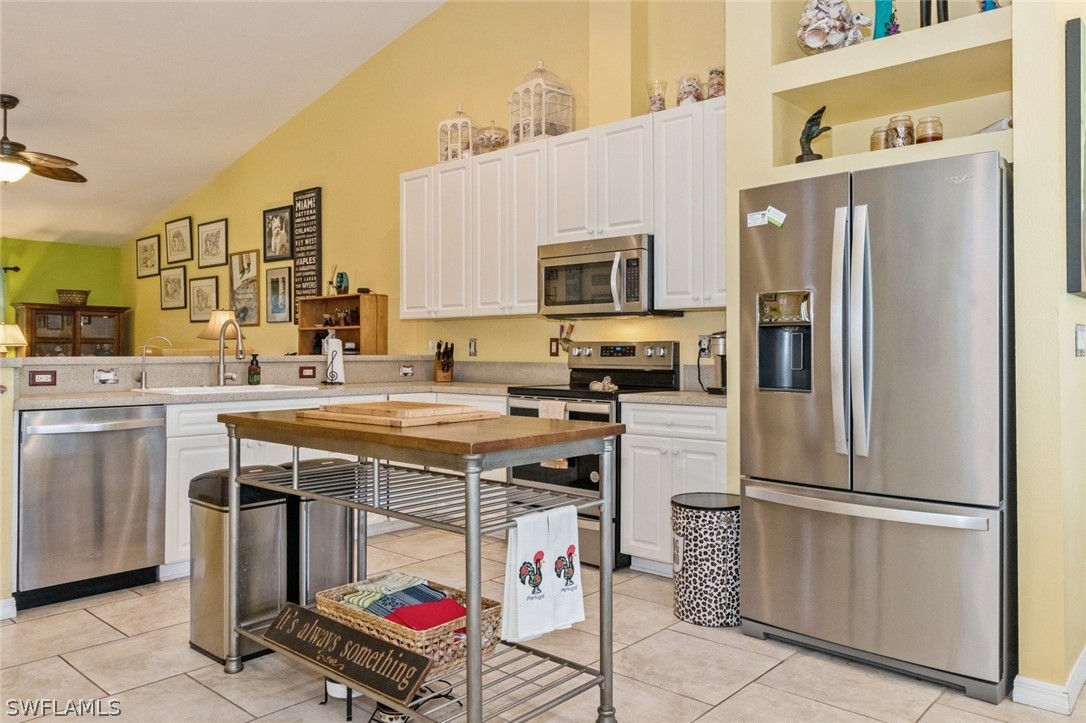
(211, 244)
(245, 287)
(172, 287)
(203, 298)
(179, 240)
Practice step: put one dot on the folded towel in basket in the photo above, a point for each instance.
(370, 591)
(424, 616)
(409, 596)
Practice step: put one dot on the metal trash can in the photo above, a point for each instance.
(327, 530)
(705, 539)
(262, 562)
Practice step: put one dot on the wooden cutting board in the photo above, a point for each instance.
(399, 410)
(389, 421)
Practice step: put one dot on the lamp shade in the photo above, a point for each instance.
(215, 324)
(12, 170)
(10, 335)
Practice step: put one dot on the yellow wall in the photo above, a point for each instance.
(45, 267)
(381, 120)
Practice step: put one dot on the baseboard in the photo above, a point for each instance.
(640, 564)
(173, 571)
(7, 608)
(1046, 696)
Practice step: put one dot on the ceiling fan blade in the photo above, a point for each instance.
(57, 174)
(46, 159)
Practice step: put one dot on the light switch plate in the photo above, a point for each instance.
(473, 347)
(1080, 339)
(106, 376)
(407, 370)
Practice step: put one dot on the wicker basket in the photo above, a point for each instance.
(440, 644)
(72, 297)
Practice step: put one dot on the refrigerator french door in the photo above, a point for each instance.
(877, 417)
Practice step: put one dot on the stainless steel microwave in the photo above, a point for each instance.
(596, 277)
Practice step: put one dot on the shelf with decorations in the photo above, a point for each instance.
(959, 70)
(360, 320)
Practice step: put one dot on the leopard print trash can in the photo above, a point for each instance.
(705, 538)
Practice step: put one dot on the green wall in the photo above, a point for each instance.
(46, 267)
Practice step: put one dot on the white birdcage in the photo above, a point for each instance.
(454, 137)
(540, 106)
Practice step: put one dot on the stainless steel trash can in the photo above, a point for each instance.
(705, 538)
(262, 559)
(324, 528)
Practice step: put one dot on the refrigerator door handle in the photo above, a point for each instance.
(887, 514)
(858, 332)
(838, 389)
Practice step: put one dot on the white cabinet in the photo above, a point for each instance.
(600, 181)
(688, 165)
(435, 241)
(667, 450)
(509, 221)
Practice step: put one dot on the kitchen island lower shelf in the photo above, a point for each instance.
(505, 684)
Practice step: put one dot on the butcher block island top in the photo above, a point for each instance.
(497, 442)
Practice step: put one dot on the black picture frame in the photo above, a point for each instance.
(172, 288)
(277, 287)
(278, 234)
(178, 240)
(1075, 98)
(203, 298)
(147, 256)
(212, 244)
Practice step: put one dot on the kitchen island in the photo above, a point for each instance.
(461, 503)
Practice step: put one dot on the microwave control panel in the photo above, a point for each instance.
(633, 280)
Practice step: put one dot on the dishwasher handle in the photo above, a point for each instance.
(84, 427)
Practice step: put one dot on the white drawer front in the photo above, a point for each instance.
(676, 421)
(186, 420)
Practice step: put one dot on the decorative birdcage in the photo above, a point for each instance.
(540, 106)
(454, 137)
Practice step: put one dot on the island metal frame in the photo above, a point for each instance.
(460, 503)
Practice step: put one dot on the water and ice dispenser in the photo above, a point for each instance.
(784, 341)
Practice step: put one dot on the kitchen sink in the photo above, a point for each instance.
(225, 390)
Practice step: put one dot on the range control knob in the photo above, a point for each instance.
(661, 351)
(587, 351)
(575, 351)
(648, 351)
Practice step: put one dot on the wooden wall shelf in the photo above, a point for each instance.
(366, 327)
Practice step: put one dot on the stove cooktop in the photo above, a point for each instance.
(643, 366)
(576, 391)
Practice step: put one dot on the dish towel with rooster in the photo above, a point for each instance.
(543, 576)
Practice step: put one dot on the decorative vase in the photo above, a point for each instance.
(343, 283)
(829, 24)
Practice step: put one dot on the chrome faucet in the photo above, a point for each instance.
(222, 348)
(143, 361)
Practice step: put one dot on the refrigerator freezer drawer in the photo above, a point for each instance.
(912, 581)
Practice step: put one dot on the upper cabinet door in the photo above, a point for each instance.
(490, 225)
(452, 238)
(624, 178)
(571, 165)
(680, 214)
(527, 213)
(714, 288)
(416, 243)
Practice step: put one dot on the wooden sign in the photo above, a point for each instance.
(307, 245)
(367, 662)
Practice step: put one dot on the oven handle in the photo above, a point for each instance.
(581, 407)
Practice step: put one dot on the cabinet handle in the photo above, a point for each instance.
(663, 450)
(669, 421)
(675, 450)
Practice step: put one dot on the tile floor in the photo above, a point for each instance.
(131, 647)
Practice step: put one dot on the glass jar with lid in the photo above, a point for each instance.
(929, 129)
(899, 131)
(716, 81)
(689, 90)
(656, 89)
(878, 138)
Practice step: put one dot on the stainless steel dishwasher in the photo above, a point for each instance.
(92, 494)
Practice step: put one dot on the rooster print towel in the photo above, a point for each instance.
(543, 579)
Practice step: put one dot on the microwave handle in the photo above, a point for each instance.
(615, 291)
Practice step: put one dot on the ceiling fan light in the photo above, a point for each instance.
(12, 170)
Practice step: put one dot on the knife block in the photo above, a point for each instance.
(443, 375)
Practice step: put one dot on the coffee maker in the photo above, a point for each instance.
(718, 352)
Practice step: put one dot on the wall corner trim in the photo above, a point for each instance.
(7, 608)
(1055, 698)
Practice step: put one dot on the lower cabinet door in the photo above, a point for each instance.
(646, 497)
(187, 457)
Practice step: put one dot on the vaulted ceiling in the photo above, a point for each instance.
(153, 99)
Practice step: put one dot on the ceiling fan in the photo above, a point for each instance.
(16, 161)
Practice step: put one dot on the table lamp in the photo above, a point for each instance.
(10, 335)
(215, 323)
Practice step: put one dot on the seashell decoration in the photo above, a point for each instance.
(829, 24)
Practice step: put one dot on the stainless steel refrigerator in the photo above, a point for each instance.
(877, 415)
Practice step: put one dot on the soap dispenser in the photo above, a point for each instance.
(254, 371)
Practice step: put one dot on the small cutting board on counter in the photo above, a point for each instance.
(397, 414)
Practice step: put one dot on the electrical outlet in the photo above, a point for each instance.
(1080, 339)
(307, 372)
(433, 346)
(703, 346)
(407, 370)
(473, 347)
(43, 378)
